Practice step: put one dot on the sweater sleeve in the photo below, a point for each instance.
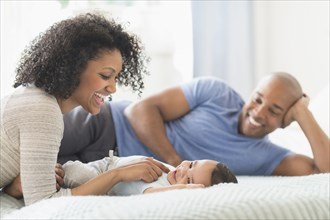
(40, 134)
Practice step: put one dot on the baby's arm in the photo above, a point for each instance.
(77, 173)
(171, 187)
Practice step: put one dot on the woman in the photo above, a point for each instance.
(76, 62)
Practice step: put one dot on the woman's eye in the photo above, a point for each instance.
(190, 166)
(104, 77)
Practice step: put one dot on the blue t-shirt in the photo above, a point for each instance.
(208, 131)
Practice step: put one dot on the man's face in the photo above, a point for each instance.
(265, 110)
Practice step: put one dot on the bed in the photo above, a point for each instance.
(304, 197)
(254, 197)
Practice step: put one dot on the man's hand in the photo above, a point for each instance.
(292, 113)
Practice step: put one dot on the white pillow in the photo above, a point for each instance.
(320, 108)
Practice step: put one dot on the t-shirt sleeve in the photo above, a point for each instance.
(276, 154)
(212, 91)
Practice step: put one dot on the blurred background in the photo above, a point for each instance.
(237, 41)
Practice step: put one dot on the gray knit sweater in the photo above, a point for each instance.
(31, 133)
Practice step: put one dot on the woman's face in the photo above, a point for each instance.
(197, 172)
(98, 81)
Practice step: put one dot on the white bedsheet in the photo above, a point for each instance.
(305, 197)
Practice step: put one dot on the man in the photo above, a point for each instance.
(205, 119)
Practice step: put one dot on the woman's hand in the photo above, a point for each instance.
(174, 160)
(147, 170)
(14, 189)
(59, 174)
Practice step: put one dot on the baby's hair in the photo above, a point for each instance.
(222, 174)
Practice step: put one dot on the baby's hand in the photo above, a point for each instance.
(172, 187)
(187, 186)
(193, 186)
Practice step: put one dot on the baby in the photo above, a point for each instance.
(189, 174)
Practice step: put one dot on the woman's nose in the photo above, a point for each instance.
(111, 87)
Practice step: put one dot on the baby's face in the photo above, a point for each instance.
(197, 172)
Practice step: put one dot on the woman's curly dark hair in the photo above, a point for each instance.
(55, 59)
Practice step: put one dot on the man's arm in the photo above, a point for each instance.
(318, 140)
(147, 119)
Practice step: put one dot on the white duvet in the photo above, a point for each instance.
(305, 197)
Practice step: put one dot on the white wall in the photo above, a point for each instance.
(19, 25)
(163, 26)
(293, 36)
(166, 31)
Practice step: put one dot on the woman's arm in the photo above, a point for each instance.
(147, 170)
(14, 189)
